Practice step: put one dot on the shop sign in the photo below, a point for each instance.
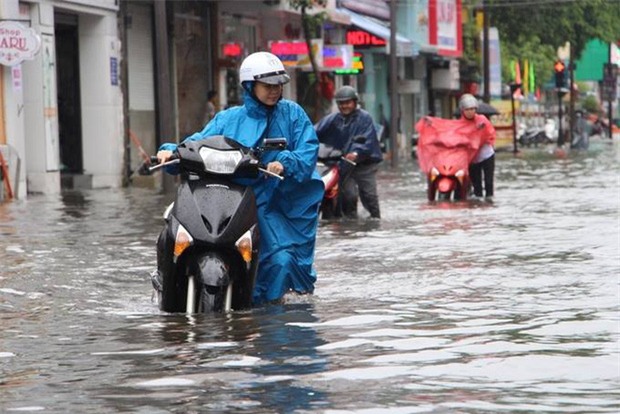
(17, 43)
(232, 50)
(295, 53)
(337, 57)
(445, 26)
(357, 66)
(361, 38)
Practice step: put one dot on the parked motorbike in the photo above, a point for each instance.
(551, 131)
(444, 159)
(532, 136)
(600, 128)
(208, 249)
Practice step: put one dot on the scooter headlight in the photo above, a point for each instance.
(244, 246)
(220, 162)
(182, 241)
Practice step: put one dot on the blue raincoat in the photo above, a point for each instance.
(287, 209)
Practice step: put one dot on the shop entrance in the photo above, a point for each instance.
(68, 92)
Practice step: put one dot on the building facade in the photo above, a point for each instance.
(113, 79)
(62, 109)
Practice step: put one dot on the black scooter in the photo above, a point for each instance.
(207, 253)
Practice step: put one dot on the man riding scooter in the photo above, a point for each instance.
(343, 130)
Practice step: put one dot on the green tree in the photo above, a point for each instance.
(556, 22)
(534, 30)
(311, 25)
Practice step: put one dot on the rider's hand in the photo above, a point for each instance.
(352, 156)
(163, 156)
(275, 167)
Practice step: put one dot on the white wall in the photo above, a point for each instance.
(40, 178)
(34, 135)
(102, 111)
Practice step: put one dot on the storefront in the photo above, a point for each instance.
(62, 109)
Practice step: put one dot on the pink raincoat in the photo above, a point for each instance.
(451, 142)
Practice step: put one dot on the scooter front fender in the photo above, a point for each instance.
(446, 184)
(212, 269)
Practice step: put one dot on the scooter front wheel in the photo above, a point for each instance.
(215, 299)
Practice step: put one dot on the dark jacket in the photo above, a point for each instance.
(340, 132)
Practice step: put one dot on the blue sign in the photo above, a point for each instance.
(114, 71)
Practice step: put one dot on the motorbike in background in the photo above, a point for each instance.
(531, 136)
(444, 159)
(600, 128)
(208, 249)
(330, 168)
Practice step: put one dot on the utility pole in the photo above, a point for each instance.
(485, 53)
(393, 87)
(122, 27)
(610, 112)
(572, 96)
(165, 126)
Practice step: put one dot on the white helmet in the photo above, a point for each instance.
(468, 101)
(264, 67)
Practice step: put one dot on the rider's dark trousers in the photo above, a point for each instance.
(362, 181)
(476, 171)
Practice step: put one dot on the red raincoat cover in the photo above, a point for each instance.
(451, 142)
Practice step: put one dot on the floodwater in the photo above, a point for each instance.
(474, 307)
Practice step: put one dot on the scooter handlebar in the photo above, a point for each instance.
(353, 163)
(152, 164)
(266, 171)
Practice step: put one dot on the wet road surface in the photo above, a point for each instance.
(473, 307)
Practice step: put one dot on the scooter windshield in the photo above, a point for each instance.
(220, 162)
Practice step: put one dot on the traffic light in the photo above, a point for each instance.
(560, 74)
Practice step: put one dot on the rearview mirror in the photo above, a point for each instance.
(274, 144)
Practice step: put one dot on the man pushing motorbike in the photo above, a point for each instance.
(287, 209)
(352, 131)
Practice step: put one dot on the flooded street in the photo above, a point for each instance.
(472, 307)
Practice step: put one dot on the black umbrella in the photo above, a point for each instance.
(483, 109)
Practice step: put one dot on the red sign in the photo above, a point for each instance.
(362, 38)
(232, 49)
(289, 48)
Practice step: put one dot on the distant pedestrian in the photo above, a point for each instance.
(581, 139)
(484, 161)
(212, 105)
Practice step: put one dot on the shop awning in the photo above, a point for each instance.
(404, 46)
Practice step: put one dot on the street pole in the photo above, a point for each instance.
(393, 87)
(165, 126)
(486, 55)
(513, 89)
(560, 135)
(610, 112)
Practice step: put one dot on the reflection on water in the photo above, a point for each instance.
(473, 307)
